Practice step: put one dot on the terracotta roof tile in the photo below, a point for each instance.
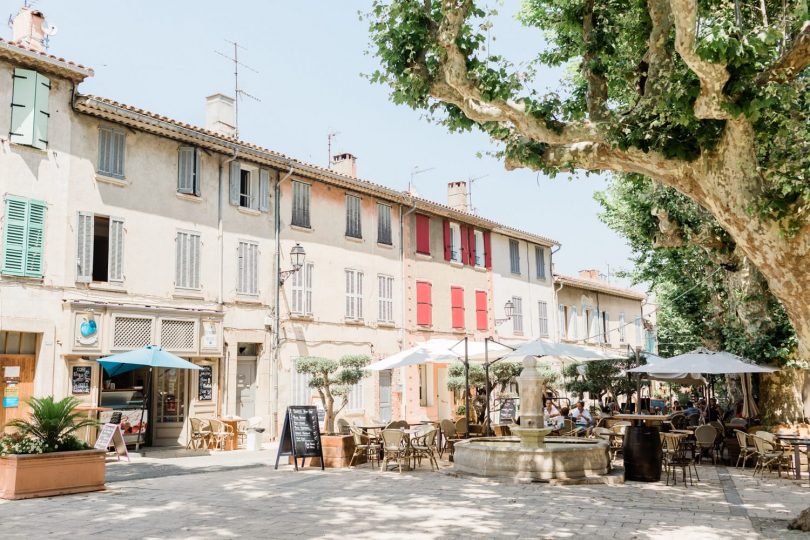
(592, 284)
(79, 69)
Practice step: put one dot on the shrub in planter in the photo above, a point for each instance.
(51, 428)
(333, 379)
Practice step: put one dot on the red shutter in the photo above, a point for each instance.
(457, 303)
(471, 244)
(424, 309)
(481, 318)
(487, 251)
(465, 245)
(422, 234)
(446, 240)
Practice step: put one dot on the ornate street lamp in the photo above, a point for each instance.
(508, 310)
(297, 257)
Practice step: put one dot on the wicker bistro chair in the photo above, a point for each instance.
(220, 433)
(693, 419)
(678, 421)
(768, 455)
(424, 446)
(397, 424)
(200, 434)
(705, 442)
(747, 447)
(461, 427)
(675, 456)
(449, 436)
(394, 447)
(364, 447)
(343, 426)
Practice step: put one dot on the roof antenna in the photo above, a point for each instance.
(237, 92)
(416, 170)
(329, 138)
(470, 182)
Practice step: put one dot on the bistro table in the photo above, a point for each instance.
(638, 419)
(232, 443)
(796, 441)
(641, 448)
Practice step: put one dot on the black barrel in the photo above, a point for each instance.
(642, 454)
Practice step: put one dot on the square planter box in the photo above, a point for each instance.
(46, 475)
(337, 452)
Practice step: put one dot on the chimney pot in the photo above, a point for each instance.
(220, 114)
(26, 29)
(592, 274)
(344, 163)
(457, 196)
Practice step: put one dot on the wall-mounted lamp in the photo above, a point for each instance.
(297, 257)
(508, 310)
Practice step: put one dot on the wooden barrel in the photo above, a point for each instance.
(642, 453)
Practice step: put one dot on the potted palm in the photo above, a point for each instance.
(43, 457)
(333, 379)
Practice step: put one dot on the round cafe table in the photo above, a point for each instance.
(796, 441)
(232, 443)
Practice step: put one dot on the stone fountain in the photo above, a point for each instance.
(529, 457)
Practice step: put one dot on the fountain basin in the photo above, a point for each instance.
(504, 457)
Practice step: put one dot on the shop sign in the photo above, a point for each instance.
(11, 396)
(209, 335)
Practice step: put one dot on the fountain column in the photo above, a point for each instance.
(532, 430)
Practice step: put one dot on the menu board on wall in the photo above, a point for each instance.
(80, 380)
(206, 383)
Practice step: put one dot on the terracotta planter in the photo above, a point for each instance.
(46, 475)
(337, 452)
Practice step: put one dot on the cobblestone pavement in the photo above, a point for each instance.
(239, 495)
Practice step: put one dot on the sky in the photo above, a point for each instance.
(309, 57)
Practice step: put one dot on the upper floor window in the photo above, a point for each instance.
(29, 109)
(605, 327)
(481, 311)
(247, 281)
(540, 262)
(639, 337)
(300, 204)
(422, 234)
(353, 226)
(478, 236)
(187, 260)
(249, 187)
(386, 298)
(111, 150)
(424, 303)
(301, 302)
(354, 294)
(517, 315)
(383, 224)
(455, 242)
(622, 334)
(23, 237)
(573, 322)
(542, 310)
(457, 307)
(100, 249)
(514, 256)
(188, 170)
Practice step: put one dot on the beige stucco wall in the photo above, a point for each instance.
(605, 302)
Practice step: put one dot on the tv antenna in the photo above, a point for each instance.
(329, 138)
(470, 182)
(416, 170)
(237, 92)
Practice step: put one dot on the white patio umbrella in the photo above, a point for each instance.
(436, 351)
(702, 361)
(686, 379)
(578, 353)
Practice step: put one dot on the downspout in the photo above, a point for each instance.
(556, 298)
(277, 301)
(402, 405)
(221, 292)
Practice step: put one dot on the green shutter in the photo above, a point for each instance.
(14, 233)
(23, 102)
(41, 114)
(35, 238)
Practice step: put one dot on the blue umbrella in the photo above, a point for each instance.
(149, 356)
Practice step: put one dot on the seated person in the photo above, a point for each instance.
(690, 409)
(676, 406)
(581, 415)
(552, 415)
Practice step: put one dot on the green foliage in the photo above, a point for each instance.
(501, 375)
(601, 377)
(333, 378)
(51, 427)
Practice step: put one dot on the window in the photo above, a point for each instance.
(605, 327)
(424, 303)
(356, 397)
(249, 188)
(300, 208)
(457, 307)
(301, 302)
(187, 260)
(540, 262)
(301, 391)
(353, 227)
(455, 242)
(514, 256)
(247, 281)
(188, 170)
(386, 298)
(542, 309)
(354, 294)
(100, 249)
(425, 385)
(481, 315)
(573, 321)
(639, 337)
(383, 224)
(479, 249)
(517, 315)
(23, 237)
(621, 328)
(422, 234)
(562, 321)
(111, 149)
(29, 109)
(592, 325)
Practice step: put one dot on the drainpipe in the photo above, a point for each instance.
(277, 302)
(403, 378)
(221, 241)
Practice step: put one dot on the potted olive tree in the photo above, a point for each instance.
(43, 457)
(333, 379)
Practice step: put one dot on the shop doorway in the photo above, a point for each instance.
(246, 380)
(171, 405)
(124, 393)
(385, 396)
(443, 394)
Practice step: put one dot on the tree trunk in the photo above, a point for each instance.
(780, 396)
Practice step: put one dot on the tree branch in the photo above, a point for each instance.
(793, 61)
(597, 84)
(658, 57)
(713, 77)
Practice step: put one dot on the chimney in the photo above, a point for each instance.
(28, 30)
(220, 114)
(592, 274)
(457, 198)
(345, 163)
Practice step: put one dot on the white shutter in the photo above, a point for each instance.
(84, 248)
(116, 255)
(264, 190)
(235, 181)
(23, 103)
(561, 322)
(197, 172)
(359, 292)
(572, 323)
(185, 169)
(349, 292)
(195, 261)
(41, 114)
(308, 289)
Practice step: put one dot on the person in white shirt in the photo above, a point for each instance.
(552, 414)
(581, 415)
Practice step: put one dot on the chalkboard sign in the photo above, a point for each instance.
(111, 435)
(80, 379)
(301, 435)
(205, 385)
(507, 411)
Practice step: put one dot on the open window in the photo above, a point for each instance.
(100, 249)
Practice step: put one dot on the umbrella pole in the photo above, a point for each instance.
(146, 396)
(467, 387)
(486, 384)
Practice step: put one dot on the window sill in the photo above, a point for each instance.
(424, 328)
(480, 268)
(515, 273)
(189, 295)
(382, 324)
(424, 256)
(120, 182)
(354, 239)
(356, 322)
(300, 317)
(106, 287)
(247, 299)
(385, 246)
(248, 211)
(459, 331)
(457, 264)
(301, 228)
(188, 197)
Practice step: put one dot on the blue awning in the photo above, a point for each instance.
(149, 356)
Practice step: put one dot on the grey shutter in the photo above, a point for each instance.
(185, 170)
(308, 289)
(540, 256)
(264, 190)
(359, 290)
(240, 268)
(197, 172)
(84, 248)
(116, 255)
(41, 114)
(23, 106)
(235, 179)
(194, 261)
